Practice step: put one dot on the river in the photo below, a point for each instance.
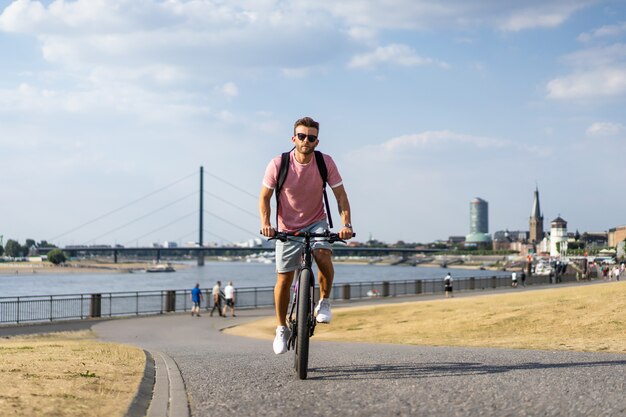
(242, 274)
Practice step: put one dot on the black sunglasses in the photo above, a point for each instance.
(302, 136)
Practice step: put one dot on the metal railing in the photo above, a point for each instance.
(15, 310)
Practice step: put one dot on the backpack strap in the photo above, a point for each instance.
(282, 175)
(321, 166)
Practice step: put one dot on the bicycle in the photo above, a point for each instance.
(302, 325)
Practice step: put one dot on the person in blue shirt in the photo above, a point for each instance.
(196, 298)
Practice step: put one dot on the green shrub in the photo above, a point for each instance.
(57, 256)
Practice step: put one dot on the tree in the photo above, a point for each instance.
(57, 256)
(45, 244)
(30, 247)
(13, 248)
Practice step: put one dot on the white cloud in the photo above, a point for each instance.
(604, 129)
(394, 54)
(546, 15)
(597, 72)
(597, 57)
(363, 33)
(590, 84)
(603, 32)
(426, 15)
(434, 140)
(226, 116)
(230, 90)
(448, 141)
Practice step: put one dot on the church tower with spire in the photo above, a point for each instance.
(536, 221)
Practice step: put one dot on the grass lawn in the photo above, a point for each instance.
(67, 374)
(583, 318)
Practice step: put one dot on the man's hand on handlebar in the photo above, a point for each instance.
(346, 233)
(268, 231)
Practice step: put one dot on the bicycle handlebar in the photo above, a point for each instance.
(332, 237)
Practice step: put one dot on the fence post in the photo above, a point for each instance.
(345, 292)
(418, 286)
(137, 303)
(170, 301)
(385, 289)
(95, 309)
(255, 297)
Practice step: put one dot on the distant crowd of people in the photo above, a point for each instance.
(611, 273)
(222, 299)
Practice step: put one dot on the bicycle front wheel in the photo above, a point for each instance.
(304, 321)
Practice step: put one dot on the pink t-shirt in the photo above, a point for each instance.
(301, 198)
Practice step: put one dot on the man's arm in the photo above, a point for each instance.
(344, 211)
(265, 211)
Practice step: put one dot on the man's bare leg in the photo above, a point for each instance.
(326, 271)
(282, 290)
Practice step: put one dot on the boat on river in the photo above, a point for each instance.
(161, 268)
(543, 269)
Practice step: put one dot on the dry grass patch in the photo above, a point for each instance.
(585, 318)
(69, 374)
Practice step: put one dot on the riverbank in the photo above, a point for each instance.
(77, 267)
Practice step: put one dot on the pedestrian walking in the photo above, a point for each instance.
(217, 298)
(229, 297)
(514, 279)
(196, 299)
(447, 285)
(523, 278)
(616, 272)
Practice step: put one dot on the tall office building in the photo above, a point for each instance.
(536, 221)
(479, 222)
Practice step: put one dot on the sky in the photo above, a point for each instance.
(108, 109)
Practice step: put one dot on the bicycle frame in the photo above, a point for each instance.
(306, 264)
(302, 326)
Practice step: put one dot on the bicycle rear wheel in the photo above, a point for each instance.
(304, 320)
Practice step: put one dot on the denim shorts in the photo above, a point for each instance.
(289, 253)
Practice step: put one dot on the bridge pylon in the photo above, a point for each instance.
(201, 220)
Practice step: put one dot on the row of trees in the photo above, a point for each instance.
(14, 249)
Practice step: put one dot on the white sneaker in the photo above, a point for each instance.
(322, 311)
(280, 341)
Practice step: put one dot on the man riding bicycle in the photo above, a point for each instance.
(300, 208)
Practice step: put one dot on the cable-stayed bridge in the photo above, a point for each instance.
(198, 246)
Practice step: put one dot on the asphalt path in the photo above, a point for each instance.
(227, 375)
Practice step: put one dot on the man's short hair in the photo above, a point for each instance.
(306, 122)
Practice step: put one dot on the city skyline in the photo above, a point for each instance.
(421, 107)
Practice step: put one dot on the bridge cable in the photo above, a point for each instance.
(228, 222)
(122, 207)
(218, 236)
(256, 197)
(255, 215)
(143, 217)
(163, 227)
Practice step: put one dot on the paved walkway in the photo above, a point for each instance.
(201, 371)
(226, 375)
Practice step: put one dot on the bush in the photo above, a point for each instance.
(57, 256)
